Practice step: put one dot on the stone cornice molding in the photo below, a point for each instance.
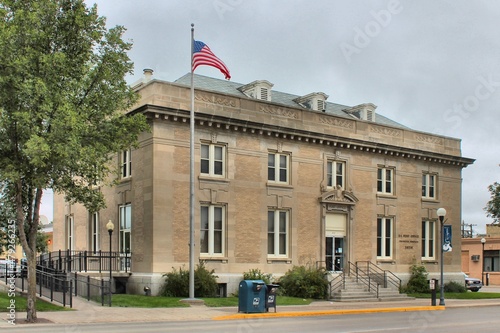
(281, 132)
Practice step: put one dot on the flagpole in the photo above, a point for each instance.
(191, 177)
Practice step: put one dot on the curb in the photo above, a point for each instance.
(326, 312)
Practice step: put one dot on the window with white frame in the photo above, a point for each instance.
(70, 230)
(94, 232)
(126, 163)
(335, 173)
(384, 237)
(428, 240)
(212, 160)
(125, 227)
(385, 180)
(212, 230)
(429, 186)
(278, 168)
(277, 233)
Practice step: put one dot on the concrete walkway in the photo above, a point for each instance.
(90, 312)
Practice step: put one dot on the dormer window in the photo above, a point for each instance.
(314, 101)
(260, 89)
(363, 111)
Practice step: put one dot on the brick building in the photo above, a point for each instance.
(481, 256)
(280, 180)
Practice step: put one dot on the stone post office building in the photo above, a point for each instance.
(280, 180)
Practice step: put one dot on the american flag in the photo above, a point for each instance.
(203, 56)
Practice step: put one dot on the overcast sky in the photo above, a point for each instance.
(431, 65)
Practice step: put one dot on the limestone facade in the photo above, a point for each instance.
(315, 223)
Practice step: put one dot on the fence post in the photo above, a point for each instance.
(64, 296)
(70, 293)
(102, 292)
(85, 258)
(68, 261)
(110, 294)
(40, 281)
(76, 284)
(52, 289)
(88, 287)
(100, 261)
(59, 261)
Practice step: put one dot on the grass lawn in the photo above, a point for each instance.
(466, 295)
(140, 301)
(21, 304)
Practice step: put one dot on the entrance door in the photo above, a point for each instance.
(334, 256)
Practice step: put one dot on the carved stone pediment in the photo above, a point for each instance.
(339, 196)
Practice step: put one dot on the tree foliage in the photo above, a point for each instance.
(493, 206)
(62, 99)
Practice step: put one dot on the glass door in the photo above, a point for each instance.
(334, 256)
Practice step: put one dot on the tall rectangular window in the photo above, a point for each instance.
(428, 186)
(384, 237)
(277, 233)
(335, 173)
(212, 230)
(94, 230)
(278, 168)
(125, 227)
(126, 163)
(212, 160)
(428, 240)
(385, 182)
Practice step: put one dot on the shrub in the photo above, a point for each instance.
(418, 282)
(305, 282)
(454, 287)
(256, 274)
(177, 283)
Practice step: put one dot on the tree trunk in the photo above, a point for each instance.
(30, 219)
(31, 300)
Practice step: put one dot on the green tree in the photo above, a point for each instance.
(63, 97)
(493, 206)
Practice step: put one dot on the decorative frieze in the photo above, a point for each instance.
(386, 131)
(278, 111)
(429, 139)
(337, 122)
(215, 99)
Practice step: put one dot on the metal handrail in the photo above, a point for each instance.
(376, 272)
(83, 261)
(337, 282)
(365, 279)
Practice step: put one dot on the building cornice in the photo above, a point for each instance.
(300, 135)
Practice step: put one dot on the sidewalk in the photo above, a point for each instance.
(89, 312)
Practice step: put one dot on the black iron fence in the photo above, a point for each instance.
(50, 284)
(92, 289)
(85, 261)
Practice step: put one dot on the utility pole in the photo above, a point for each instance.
(467, 230)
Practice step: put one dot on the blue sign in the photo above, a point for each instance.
(447, 238)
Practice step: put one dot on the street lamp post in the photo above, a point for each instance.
(441, 213)
(483, 241)
(110, 226)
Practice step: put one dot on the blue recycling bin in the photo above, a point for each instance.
(252, 296)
